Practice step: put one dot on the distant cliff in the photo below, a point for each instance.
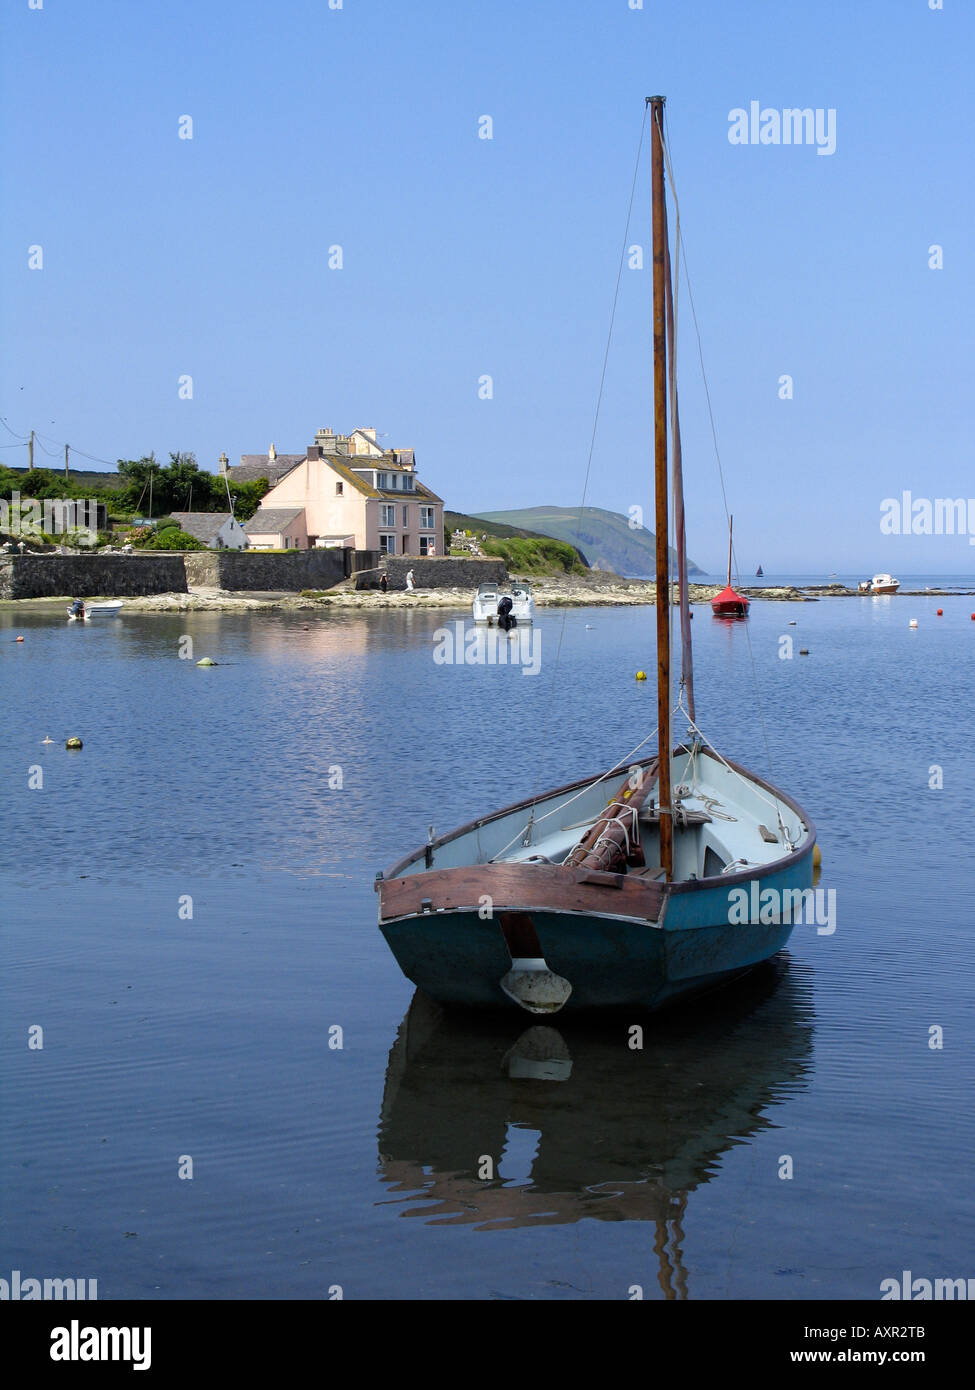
(606, 539)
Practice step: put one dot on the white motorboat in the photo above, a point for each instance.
(489, 597)
(108, 609)
(880, 584)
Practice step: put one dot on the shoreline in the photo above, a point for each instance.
(549, 592)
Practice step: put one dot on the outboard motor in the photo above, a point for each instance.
(505, 619)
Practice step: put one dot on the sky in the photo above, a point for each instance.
(357, 125)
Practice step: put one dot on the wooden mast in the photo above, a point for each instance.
(731, 527)
(660, 483)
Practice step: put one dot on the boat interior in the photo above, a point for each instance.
(725, 822)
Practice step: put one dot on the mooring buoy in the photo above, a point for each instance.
(205, 661)
(73, 743)
(642, 675)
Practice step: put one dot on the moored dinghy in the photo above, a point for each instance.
(729, 603)
(581, 900)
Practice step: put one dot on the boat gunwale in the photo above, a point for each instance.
(676, 886)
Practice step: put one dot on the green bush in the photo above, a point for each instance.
(171, 539)
(524, 556)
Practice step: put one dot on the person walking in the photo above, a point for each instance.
(409, 580)
(384, 582)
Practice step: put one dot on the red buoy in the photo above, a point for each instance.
(941, 612)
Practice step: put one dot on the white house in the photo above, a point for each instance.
(217, 530)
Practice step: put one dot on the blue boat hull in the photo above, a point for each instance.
(459, 958)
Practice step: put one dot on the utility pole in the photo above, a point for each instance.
(66, 472)
(30, 453)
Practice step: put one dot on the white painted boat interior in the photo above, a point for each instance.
(734, 824)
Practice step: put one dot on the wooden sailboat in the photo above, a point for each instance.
(729, 603)
(687, 874)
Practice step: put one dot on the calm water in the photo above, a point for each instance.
(209, 1037)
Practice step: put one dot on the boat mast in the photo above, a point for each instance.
(660, 483)
(731, 527)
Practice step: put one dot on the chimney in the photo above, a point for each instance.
(314, 451)
(326, 439)
(223, 463)
(272, 454)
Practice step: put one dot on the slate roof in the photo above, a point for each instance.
(270, 520)
(253, 466)
(203, 526)
(344, 470)
(257, 466)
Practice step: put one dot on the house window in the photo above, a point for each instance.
(426, 518)
(408, 481)
(382, 480)
(427, 546)
(338, 489)
(387, 514)
(387, 545)
(406, 512)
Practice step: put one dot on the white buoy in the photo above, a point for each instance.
(913, 622)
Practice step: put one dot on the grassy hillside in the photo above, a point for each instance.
(523, 551)
(605, 538)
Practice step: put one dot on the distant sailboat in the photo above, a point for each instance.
(729, 603)
(759, 572)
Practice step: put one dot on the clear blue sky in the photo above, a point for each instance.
(358, 127)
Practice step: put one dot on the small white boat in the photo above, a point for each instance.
(96, 610)
(489, 597)
(880, 584)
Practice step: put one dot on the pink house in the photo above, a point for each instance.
(351, 491)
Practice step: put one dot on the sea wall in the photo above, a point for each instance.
(84, 576)
(435, 572)
(255, 569)
(167, 572)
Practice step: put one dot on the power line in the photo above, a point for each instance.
(59, 443)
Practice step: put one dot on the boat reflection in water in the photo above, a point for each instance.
(614, 1133)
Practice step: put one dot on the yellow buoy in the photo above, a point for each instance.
(205, 661)
(73, 743)
(641, 675)
(817, 857)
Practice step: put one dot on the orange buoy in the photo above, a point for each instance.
(20, 639)
(941, 612)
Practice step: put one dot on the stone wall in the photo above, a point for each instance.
(157, 572)
(85, 576)
(255, 569)
(441, 571)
